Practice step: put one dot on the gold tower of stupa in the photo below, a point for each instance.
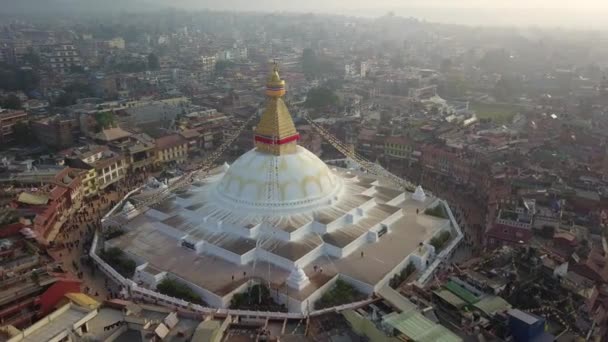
(276, 133)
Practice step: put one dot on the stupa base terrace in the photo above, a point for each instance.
(365, 233)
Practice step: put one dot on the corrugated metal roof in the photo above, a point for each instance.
(418, 328)
(450, 298)
(461, 292)
(492, 304)
(396, 299)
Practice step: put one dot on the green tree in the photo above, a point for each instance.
(222, 66)
(153, 63)
(18, 78)
(76, 69)
(506, 89)
(116, 258)
(31, 58)
(497, 60)
(454, 86)
(104, 120)
(11, 102)
(23, 134)
(437, 211)
(309, 63)
(173, 288)
(440, 240)
(340, 293)
(320, 97)
(314, 65)
(446, 65)
(73, 92)
(35, 277)
(256, 298)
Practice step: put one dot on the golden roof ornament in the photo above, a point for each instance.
(276, 133)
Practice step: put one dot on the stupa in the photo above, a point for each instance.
(280, 216)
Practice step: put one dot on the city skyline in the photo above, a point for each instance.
(585, 14)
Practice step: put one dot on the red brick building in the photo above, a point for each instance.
(52, 204)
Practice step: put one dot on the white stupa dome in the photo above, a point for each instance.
(302, 181)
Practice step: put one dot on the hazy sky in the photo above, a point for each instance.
(371, 4)
(566, 13)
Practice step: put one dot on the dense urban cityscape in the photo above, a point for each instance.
(173, 175)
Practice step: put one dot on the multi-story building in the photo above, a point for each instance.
(8, 119)
(104, 167)
(51, 204)
(55, 131)
(400, 148)
(194, 137)
(61, 57)
(138, 149)
(512, 227)
(171, 148)
(208, 63)
(116, 43)
(448, 162)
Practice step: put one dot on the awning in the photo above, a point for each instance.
(83, 300)
(27, 198)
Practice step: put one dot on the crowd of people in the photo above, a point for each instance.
(74, 240)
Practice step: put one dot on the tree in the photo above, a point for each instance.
(153, 63)
(446, 65)
(104, 120)
(309, 63)
(119, 261)
(506, 88)
(340, 293)
(314, 65)
(437, 211)
(440, 240)
(497, 60)
(256, 298)
(222, 66)
(173, 288)
(320, 97)
(547, 232)
(23, 134)
(11, 102)
(76, 69)
(73, 92)
(18, 78)
(35, 277)
(454, 86)
(31, 58)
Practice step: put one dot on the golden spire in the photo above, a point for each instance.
(276, 132)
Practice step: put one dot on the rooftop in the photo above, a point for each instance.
(169, 141)
(111, 134)
(147, 239)
(58, 322)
